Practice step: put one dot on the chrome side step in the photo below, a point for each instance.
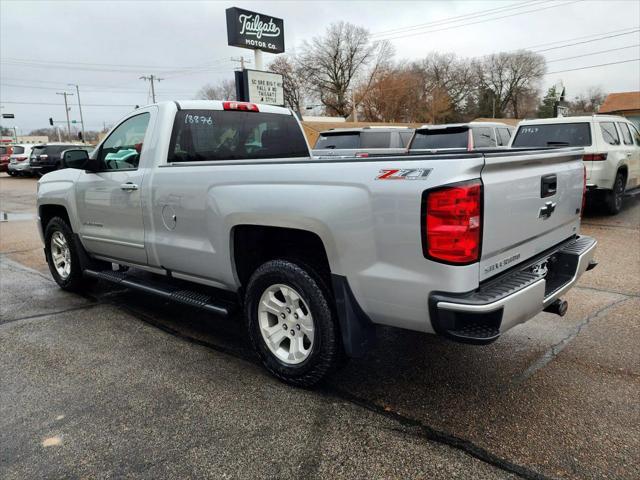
(164, 288)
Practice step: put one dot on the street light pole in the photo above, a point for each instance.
(79, 108)
(66, 110)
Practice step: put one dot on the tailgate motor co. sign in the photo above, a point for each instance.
(264, 87)
(254, 30)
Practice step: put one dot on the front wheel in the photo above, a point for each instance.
(291, 323)
(613, 199)
(62, 256)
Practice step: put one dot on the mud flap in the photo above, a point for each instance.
(358, 332)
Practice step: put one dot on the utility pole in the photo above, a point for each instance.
(241, 60)
(66, 110)
(152, 79)
(79, 108)
(355, 105)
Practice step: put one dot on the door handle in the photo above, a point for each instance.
(129, 187)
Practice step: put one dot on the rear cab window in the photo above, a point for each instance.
(214, 135)
(433, 139)
(18, 150)
(609, 133)
(3, 150)
(553, 135)
(338, 140)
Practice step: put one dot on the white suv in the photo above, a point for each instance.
(611, 150)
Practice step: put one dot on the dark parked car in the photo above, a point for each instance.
(45, 158)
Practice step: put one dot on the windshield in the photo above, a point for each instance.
(453, 137)
(553, 135)
(338, 140)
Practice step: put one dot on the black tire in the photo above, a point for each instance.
(613, 198)
(75, 280)
(11, 174)
(326, 350)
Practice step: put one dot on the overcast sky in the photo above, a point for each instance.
(107, 46)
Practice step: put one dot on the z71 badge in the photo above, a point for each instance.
(404, 174)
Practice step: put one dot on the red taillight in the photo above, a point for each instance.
(362, 155)
(21, 158)
(594, 157)
(584, 189)
(244, 106)
(453, 223)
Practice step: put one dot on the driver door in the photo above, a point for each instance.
(109, 200)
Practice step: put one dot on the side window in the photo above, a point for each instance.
(121, 150)
(503, 136)
(405, 138)
(375, 139)
(609, 133)
(635, 133)
(483, 137)
(626, 134)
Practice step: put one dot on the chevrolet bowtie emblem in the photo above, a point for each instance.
(547, 210)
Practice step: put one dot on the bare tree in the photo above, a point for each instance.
(512, 78)
(223, 90)
(293, 81)
(334, 62)
(588, 102)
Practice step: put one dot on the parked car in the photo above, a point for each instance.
(223, 208)
(19, 160)
(363, 142)
(611, 151)
(5, 153)
(46, 157)
(461, 137)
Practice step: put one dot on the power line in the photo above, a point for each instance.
(586, 41)
(480, 21)
(122, 92)
(457, 18)
(580, 38)
(593, 53)
(594, 66)
(57, 104)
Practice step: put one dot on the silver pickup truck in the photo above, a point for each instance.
(219, 205)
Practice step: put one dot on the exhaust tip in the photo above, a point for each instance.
(559, 307)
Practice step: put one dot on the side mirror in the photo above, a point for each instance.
(75, 158)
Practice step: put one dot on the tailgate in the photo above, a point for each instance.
(532, 201)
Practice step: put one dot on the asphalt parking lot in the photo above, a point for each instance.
(117, 384)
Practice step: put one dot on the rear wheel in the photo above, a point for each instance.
(613, 198)
(62, 256)
(291, 323)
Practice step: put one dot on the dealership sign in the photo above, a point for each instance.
(263, 87)
(254, 30)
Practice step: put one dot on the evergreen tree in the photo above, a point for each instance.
(545, 110)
